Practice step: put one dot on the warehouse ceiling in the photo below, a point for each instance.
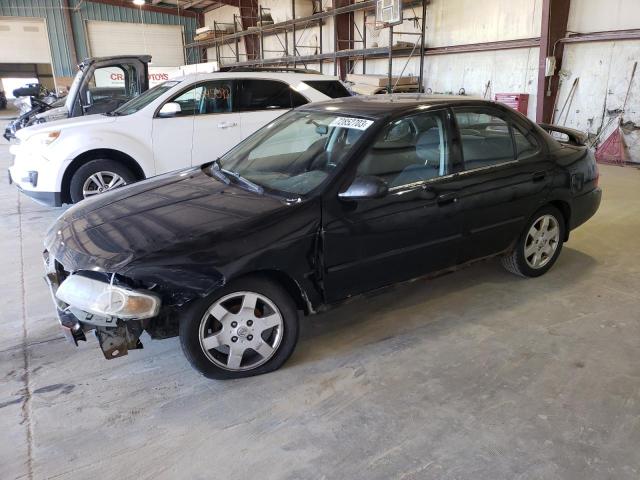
(194, 5)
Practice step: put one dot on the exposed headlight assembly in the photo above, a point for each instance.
(43, 139)
(101, 298)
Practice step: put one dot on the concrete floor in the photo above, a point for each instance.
(476, 375)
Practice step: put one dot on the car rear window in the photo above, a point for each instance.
(330, 88)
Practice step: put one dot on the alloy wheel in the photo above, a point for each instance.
(101, 182)
(241, 331)
(542, 241)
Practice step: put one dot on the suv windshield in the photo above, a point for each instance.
(297, 152)
(141, 101)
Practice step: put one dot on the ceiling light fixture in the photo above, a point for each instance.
(138, 2)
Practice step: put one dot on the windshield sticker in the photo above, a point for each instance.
(350, 122)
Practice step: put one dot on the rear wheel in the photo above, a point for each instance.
(248, 328)
(539, 244)
(99, 176)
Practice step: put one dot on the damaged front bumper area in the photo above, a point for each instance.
(115, 335)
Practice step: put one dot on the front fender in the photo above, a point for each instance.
(177, 284)
(70, 146)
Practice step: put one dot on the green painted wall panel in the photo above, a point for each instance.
(81, 11)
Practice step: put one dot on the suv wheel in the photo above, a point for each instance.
(247, 328)
(539, 245)
(98, 176)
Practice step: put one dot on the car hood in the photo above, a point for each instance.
(51, 126)
(163, 214)
(53, 114)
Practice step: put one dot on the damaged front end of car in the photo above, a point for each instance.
(86, 300)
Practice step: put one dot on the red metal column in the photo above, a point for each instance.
(555, 14)
(202, 52)
(249, 18)
(344, 31)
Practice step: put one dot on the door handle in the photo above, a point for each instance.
(445, 198)
(226, 124)
(428, 192)
(539, 176)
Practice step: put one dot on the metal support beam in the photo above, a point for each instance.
(150, 8)
(344, 35)
(201, 52)
(555, 14)
(423, 33)
(390, 67)
(293, 31)
(71, 41)
(383, 52)
(248, 18)
(607, 36)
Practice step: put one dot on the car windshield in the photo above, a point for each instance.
(296, 153)
(141, 101)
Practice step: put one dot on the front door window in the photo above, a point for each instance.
(410, 150)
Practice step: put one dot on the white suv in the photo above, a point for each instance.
(179, 123)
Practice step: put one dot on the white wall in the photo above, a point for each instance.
(602, 15)
(603, 69)
(449, 22)
(459, 22)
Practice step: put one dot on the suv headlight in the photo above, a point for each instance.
(101, 298)
(43, 139)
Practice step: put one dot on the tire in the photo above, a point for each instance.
(521, 261)
(215, 325)
(102, 168)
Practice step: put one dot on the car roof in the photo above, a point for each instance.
(288, 77)
(379, 106)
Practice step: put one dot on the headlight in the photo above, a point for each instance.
(43, 139)
(100, 298)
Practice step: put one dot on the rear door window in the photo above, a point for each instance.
(486, 137)
(330, 88)
(257, 94)
(526, 144)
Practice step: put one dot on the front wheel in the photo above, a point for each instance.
(99, 176)
(248, 328)
(539, 245)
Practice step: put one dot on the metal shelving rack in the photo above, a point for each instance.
(291, 50)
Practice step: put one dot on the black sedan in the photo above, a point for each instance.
(325, 203)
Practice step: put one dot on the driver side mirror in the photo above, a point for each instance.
(365, 187)
(170, 109)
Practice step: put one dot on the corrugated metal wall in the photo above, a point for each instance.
(54, 17)
(86, 10)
